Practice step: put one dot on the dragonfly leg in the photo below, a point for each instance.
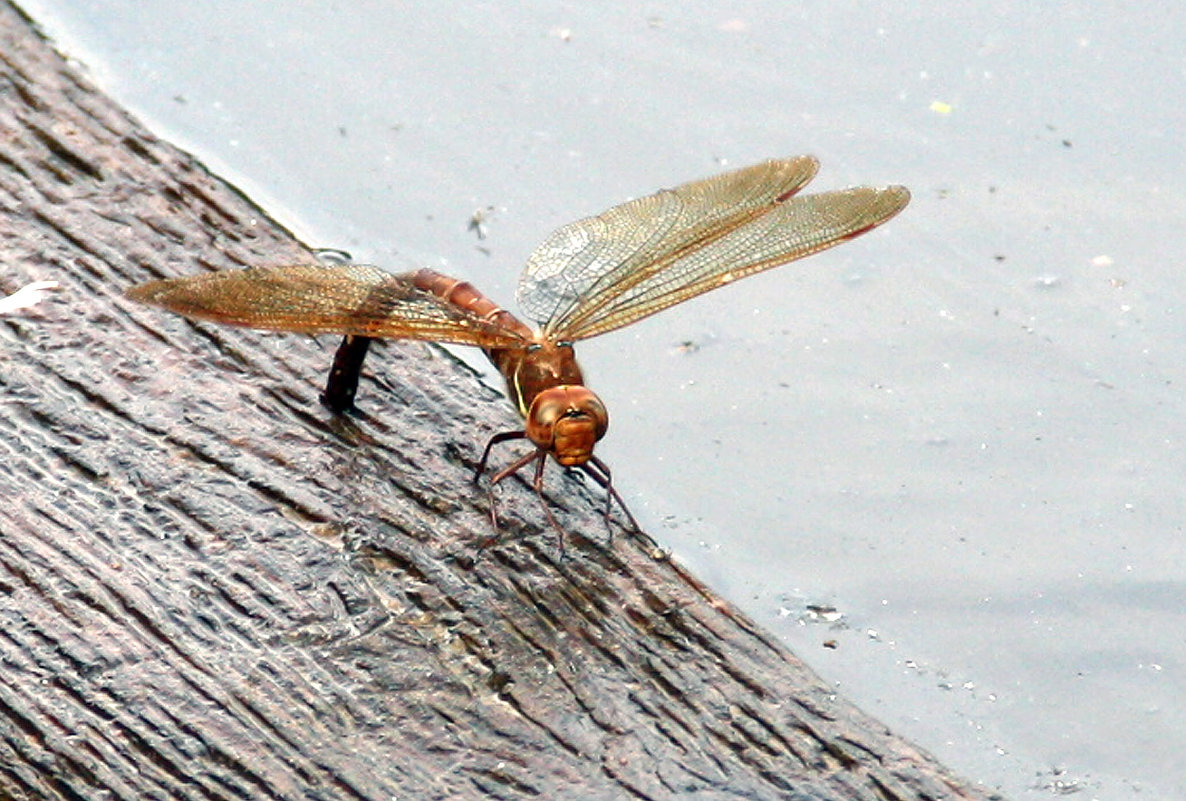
(497, 533)
(505, 436)
(509, 470)
(540, 457)
(506, 471)
(517, 465)
(599, 471)
(342, 384)
(538, 484)
(595, 468)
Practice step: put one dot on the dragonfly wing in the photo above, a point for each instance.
(789, 230)
(313, 299)
(588, 262)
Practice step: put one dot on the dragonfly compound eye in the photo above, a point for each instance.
(567, 421)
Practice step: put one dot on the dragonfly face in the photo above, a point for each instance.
(588, 278)
(567, 421)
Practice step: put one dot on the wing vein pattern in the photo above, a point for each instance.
(604, 272)
(353, 299)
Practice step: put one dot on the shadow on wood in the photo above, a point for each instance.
(213, 588)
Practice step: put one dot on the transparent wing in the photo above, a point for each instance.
(313, 299)
(587, 261)
(636, 259)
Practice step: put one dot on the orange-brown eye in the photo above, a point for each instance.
(567, 421)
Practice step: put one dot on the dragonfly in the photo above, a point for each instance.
(587, 278)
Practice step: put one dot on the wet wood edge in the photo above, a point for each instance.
(212, 588)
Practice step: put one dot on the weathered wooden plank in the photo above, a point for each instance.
(212, 588)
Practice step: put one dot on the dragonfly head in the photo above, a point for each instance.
(567, 421)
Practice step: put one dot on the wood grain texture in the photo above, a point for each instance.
(211, 588)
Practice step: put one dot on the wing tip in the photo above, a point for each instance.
(896, 197)
(148, 293)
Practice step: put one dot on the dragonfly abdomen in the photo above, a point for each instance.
(468, 297)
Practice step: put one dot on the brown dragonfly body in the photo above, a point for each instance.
(587, 278)
(562, 416)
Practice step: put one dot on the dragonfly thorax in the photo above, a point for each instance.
(567, 421)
